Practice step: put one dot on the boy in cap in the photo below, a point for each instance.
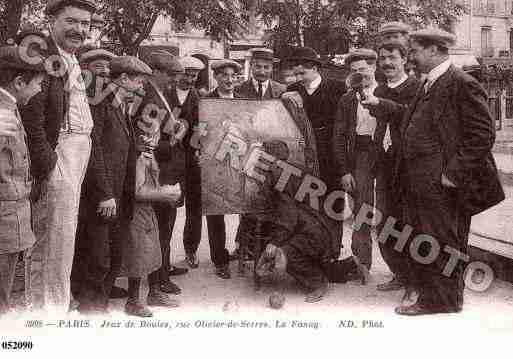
(354, 145)
(169, 153)
(18, 83)
(109, 186)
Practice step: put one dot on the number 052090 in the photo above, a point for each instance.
(14, 345)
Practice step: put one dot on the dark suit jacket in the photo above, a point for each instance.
(459, 109)
(189, 112)
(215, 94)
(171, 160)
(247, 90)
(111, 170)
(344, 133)
(43, 118)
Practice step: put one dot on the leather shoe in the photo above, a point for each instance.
(174, 271)
(390, 286)
(362, 272)
(118, 293)
(192, 260)
(170, 287)
(419, 309)
(161, 299)
(223, 272)
(137, 309)
(317, 294)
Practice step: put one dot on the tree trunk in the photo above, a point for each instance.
(10, 19)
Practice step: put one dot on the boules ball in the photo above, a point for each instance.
(276, 300)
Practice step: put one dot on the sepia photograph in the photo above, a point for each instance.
(256, 177)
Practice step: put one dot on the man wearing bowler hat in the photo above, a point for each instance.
(448, 171)
(58, 123)
(261, 86)
(320, 96)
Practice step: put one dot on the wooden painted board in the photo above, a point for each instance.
(231, 129)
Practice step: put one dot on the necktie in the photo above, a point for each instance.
(260, 91)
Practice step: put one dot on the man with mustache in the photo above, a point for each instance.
(446, 167)
(261, 87)
(401, 88)
(58, 122)
(354, 143)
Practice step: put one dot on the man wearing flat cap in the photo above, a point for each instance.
(108, 191)
(225, 72)
(169, 152)
(184, 99)
(261, 87)
(58, 123)
(320, 97)
(354, 144)
(18, 83)
(448, 170)
(394, 31)
(95, 63)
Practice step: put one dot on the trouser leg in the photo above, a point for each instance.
(7, 269)
(166, 217)
(193, 220)
(217, 240)
(361, 242)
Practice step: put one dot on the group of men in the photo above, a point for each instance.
(418, 150)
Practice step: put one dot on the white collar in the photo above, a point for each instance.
(68, 56)
(372, 87)
(221, 95)
(397, 83)
(9, 95)
(438, 71)
(315, 83)
(265, 84)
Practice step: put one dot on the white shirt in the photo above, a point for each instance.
(182, 95)
(436, 73)
(365, 122)
(265, 85)
(79, 119)
(310, 89)
(397, 83)
(8, 94)
(223, 95)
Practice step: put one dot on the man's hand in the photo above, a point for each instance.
(270, 250)
(370, 100)
(171, 193)
(447, 182)
(348, 182)
(107, 208)
(144, 144)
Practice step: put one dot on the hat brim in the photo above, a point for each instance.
(50, 10)
(304, 59)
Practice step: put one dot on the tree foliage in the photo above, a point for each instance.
(331, 26)
(15, 13)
